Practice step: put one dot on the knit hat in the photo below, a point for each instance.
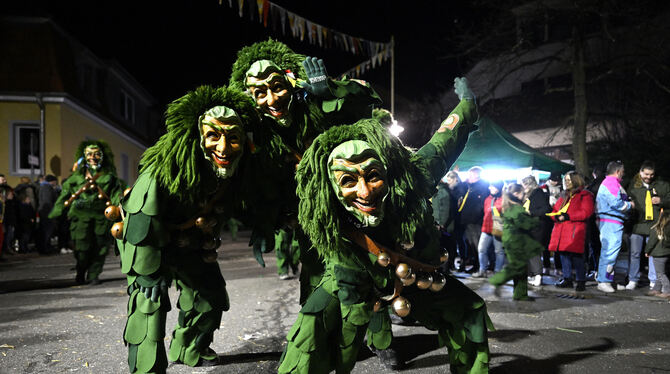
(555, 176)
(498, 184)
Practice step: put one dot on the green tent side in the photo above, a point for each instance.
(491, 146)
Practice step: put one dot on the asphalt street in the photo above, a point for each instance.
(50, 325)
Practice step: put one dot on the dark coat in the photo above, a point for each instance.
(570, 235)
(656, 247)
(473, 208)
(638, 192)
(539, 207)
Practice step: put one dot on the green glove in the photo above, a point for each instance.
(462, 90)
(317, 77)
(151, 287)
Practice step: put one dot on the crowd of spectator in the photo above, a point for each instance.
(25, 226)
(588, 228)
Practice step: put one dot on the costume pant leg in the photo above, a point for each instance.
(611, 239)
(379, 331)
(145, 331)
(283, 251)
(326, 336)
(520, 290)
(312, 267)
(97, 254)
(202, 301)
(459, 315)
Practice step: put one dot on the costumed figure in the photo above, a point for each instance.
(192, 181)
(364, 204)
(92, 187)
(518, 243)
(297, 101)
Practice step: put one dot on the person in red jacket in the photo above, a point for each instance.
(491, 235)
(570, 215)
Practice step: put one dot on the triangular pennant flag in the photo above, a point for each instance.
(259, 5)
(266, 11)
(252, 9)
(240, 4)
(308, 25)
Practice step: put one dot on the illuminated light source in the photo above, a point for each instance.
(396, 129)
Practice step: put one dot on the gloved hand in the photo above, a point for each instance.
(317, 77)
(151, 287)
(462, 90)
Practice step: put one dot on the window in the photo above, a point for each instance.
(127, 107)
(26, 148)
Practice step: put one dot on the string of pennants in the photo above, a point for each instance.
(282, 20)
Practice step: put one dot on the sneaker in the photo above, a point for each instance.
(581, 286)
(536, 280)
(605, 287)
(591, 275)
(479, 274)
(620, 287)
(564, 283)
(284, 277)
(651, 285)
(631, 285)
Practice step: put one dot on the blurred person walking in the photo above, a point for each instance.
(445, 209)
(650, 195)
(568, 237)
(612, 208)
(47, 196)
(492, 230)
(537, 205)
(518, 243)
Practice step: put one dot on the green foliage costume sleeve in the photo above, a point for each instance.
(448, 142)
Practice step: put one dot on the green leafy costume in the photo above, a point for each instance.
(287, 250)
(89, 229)
(173, 215)
(310, 113)
(331, 325)
(520, 247)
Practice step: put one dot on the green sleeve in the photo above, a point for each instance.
(349, 95)
(144, 234)
(525, 221)
(448, 142)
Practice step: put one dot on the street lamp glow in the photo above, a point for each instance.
(396, 129)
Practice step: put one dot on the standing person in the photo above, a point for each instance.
(445, 206)
(84, 197)
(593, 235)
(649, 194)
(537, 205)
(47, 198)
(554, 187)
(363, 197)
(612, 208)
(471, 215)
(26, 188)
(26, 223)
(9, 217)
(658, 250)
(568, 238)
(492, 229)
(518, 243)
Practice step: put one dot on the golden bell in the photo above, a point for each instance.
(201, 222)
(401, 306)
(73, 195)
(403, 270)
(409, 280)
(112, 213)
(108, 203)
(126, 191)
(383, 259)
(439, 281)
(209, 256)
(445, 257)
(92, 187)
(424, 280)
(66, 203)
(101, 196)
(117, 230)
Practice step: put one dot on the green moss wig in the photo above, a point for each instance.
(177, 161)
(107, 156)
(272, 50)
(409, 186)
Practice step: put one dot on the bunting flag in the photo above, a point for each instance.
(369, 64)
(316, 34)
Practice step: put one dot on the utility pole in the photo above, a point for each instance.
(392, 75)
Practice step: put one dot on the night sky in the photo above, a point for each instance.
(171, 47)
